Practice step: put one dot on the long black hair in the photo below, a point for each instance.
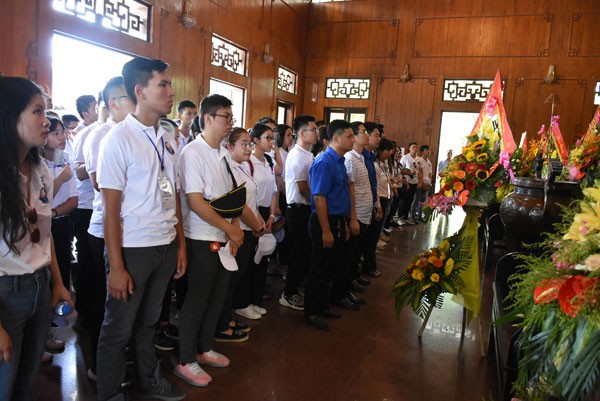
(15, 95)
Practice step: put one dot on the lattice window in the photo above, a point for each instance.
(286, 80)
(228, 55)
(466, 90)
(131, 17)
(347, 88)
(597, 94)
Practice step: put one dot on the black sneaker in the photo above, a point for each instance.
(239, 326)
(317, 322)
(158, 388)
(162, 342)
(171, 331)
(237, 336)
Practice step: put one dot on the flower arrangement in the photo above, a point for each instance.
(584, 157)
(433, 273)
(557, 296)
(479, 173)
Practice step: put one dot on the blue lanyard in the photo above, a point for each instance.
(161, 159)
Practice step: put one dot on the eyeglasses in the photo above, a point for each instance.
(244, 145)
(32, 218)
(228, 117)
(268, 138)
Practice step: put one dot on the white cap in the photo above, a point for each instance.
(266, 246)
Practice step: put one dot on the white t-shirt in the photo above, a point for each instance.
(91, 151)
(359, 175)
(33, 256)
(202, 170)
(409, 162)
(265, 181)
(427, 170)
(297, 168)
(241, 172)
(129, 162)
(84, 188)
(67, 189)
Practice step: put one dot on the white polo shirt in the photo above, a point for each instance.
(91, 151)
(297, 167)
(425, 165)
(359, 175)
(407, 161)
(241, 172)
(32, 256)
(67, 189)
(265, 181)
(84, 188)
(202, 170)
(129, 162)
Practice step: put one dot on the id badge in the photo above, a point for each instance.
(167, 194)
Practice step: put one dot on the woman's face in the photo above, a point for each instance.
(57, 139)
(241, 149)
(288, 138)
(265, 142)
(385, 154)
(32, 126)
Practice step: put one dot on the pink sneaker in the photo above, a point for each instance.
(193, 374)
(214, 359)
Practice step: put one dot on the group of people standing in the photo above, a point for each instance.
(193, 201)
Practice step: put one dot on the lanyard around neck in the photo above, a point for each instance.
(161, 159)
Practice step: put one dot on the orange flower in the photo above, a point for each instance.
(459, 174)
(470, 168)
(458, 186)
(462, 198)
(435, 278)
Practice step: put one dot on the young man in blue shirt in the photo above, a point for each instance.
(328, 224)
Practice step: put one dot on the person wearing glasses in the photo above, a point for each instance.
(119, 105)
(297, 186)
(30, 279)
(144, 239)
(205, 175)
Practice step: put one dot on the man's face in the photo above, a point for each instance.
(220, 122)
(374, 138)
(310, 133)
(91, 114)
(362, 138)
(426, 153)
(412, 149)
(158, 95)
(449, 155)
(121, 105)
(347, 139)
(187, 115)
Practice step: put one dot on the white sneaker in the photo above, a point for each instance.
(213, 358)
(258, 309)
(248, 312)
(381, 244)
(401, 222)
(295, 301)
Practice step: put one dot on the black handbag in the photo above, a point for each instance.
(233, 202)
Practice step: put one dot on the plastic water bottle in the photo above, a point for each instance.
(61, 311)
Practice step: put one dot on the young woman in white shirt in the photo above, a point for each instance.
(27, 258)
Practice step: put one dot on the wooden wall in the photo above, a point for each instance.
(457, 39)
(440, 39)
(249, 23)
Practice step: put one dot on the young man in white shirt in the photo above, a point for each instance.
(424, 185)
(186, 111)
(143, 232)
(119, 105)
(409, 163)
(297, 187)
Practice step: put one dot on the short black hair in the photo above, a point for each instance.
(138, 72)
(337, 127)
(424, 148)
(83, 103)
(258, 129)
(69, 118)
(110, 88)
(266, 120)
(211, 104)
(356, 125)
(301, 121)
(185, 104)
(321, 122)
(370, 127)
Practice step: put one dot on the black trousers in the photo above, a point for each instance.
(84, 281)
(324, 263)
(348, 268)
(96, 312)
(407, 200)
(297, 217)
(373, 233)
(61, 233)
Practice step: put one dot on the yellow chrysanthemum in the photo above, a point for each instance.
(448, 193)
(435, 278)
(417, 274)
(449, 266)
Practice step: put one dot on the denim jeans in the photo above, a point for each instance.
(25, 313)
(151, 268)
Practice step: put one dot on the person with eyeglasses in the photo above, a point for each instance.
(30, 280)
(298, 195)
(119, 105)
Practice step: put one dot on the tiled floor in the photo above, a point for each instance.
(367, 356)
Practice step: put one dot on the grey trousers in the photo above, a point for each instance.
(151, 269)
(208, 283)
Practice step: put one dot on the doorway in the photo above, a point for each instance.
(455, 126)
(80, 68)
